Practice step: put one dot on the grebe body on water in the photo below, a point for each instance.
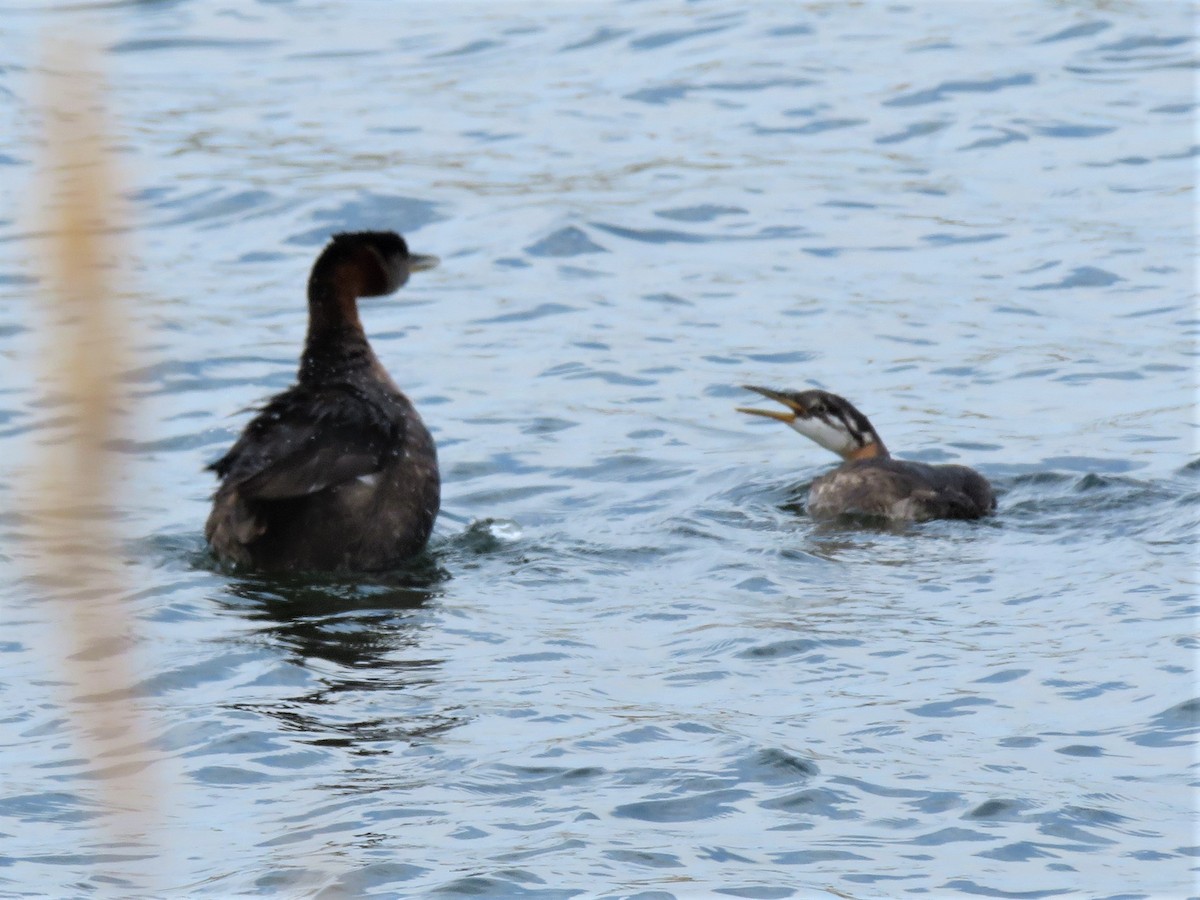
(870, 482)
(338, 472)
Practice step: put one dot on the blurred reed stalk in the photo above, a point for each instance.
(78, 558)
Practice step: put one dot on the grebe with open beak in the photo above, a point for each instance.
(870, 482)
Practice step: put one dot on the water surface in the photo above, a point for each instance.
(629, 665)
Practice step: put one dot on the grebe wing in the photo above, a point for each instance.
(964, 493)
(947, 503)
(307, 440)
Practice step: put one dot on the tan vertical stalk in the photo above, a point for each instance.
(73, 505)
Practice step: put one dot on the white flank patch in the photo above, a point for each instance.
(368, 480)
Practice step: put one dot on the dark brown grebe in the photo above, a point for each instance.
(337, 473)
(870, 482)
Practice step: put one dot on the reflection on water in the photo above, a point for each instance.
(357, 637)
(348, 623)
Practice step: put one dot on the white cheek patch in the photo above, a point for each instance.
(828, 436)
(369, 480)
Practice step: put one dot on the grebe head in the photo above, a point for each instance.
(370, 263)
(353, 265)
(828, 419)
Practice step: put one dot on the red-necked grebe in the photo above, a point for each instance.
(870, 482)
(338, 472)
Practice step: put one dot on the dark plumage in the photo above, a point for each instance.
(870, 482)
(338, 472)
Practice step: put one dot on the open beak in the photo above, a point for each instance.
(794, 408)
(419, 263)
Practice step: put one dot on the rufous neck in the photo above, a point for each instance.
(873, 450)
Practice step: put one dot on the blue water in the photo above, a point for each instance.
(629, 665)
